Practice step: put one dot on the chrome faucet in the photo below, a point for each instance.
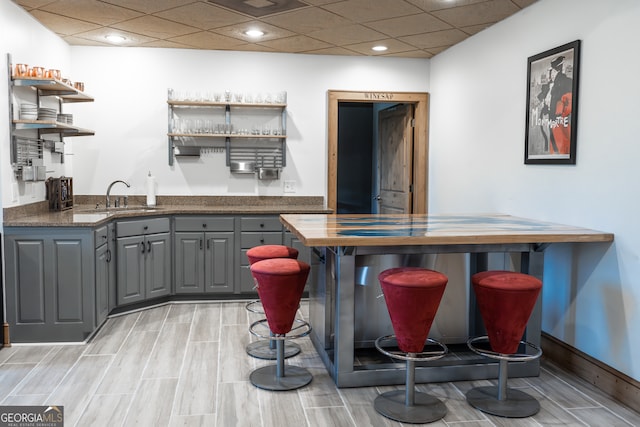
(108, 203)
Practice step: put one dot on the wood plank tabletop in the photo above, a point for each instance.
(429, 229)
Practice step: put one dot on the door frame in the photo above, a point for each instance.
(420, 100)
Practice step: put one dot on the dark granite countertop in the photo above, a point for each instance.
(86, 214)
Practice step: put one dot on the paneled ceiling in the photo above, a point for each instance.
(408, 28)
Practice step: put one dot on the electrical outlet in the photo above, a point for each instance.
(289, 186)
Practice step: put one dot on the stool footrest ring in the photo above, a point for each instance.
(302, 330)
(416, 357)
(255, 307)
(516, 357)
(266, 350)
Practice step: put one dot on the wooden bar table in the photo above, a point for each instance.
(347, 313)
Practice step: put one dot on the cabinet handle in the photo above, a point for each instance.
(146, 227)
(204, 225)
(108, 255)
(142, 247)
(208, 244)
(262, 241)
(261, 225)
(200, 244)
(149, 247)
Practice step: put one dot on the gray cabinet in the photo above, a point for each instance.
(204, 253)
(144, 259)
(50, 283)
(255, 231)
(104, 239)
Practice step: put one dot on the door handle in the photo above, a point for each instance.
(378, 198)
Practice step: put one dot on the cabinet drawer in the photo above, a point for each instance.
(100, 236)
(204, 223)
(260, 223)
(251, 239)
(142, 226)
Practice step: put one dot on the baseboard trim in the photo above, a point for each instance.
(615, 384)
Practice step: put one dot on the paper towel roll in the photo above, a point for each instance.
(151, 190)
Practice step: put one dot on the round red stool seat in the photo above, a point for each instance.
(505, 300)
(260, 253)
(280, 283)
(412, 295)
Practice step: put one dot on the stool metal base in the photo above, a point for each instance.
(517, 404)
(265, 350)
(426, 408)
(267, 378)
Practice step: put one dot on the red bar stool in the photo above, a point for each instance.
(267, 349)
(505, 300)
(412, 295)
(280, 283)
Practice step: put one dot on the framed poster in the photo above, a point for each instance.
(552, 106)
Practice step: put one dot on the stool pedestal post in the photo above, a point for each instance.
(502, 379)
(410, 382)
(280, 359)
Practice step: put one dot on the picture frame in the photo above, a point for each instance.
(552, 105)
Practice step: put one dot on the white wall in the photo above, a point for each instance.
(28, 42)
(130, 113)
(477, 119)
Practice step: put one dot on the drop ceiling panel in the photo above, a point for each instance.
(155, 27)
(203, 15)
(148, 6)
(435, 39)
(295, 44)
(431, 5)
(367, 10)
(61, 24)
(206, 39)
(307, 20)
(91, 11)
(348, 35)
(409, 25)
(479, 13)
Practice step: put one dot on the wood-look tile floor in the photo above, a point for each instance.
(185, 365)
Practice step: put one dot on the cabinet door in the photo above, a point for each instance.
(158, 265)
(189, 262)
(130, 284)
(219, 264)
(50, 285)
(102, 283)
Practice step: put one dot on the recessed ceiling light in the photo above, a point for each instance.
(379, 48)
(114, 38)
(254, 33)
